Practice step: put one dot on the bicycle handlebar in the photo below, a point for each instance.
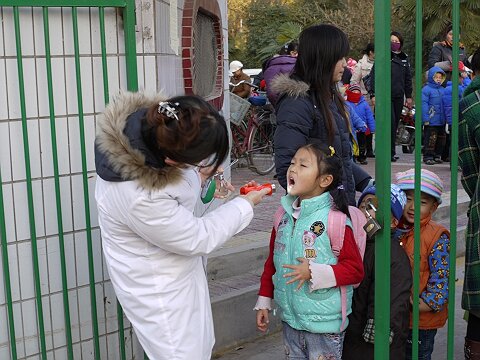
(244, 82)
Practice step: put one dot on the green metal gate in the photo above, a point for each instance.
(31, 323)
(383, 175)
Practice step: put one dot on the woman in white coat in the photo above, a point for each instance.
(147, 155)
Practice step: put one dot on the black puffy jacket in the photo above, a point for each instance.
(401, 76)
(363, 305)
(298, 121)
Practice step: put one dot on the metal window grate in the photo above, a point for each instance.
(205, 56)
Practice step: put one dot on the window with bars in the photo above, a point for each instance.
(205, 56)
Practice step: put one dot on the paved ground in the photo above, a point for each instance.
(270, 347)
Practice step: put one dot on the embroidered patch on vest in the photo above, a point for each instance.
(317, 228)
(308, 238)
(310, 253)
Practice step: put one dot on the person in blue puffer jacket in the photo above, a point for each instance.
(433, 117)
(359, 105)
(447, 108)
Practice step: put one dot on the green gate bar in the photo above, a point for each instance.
(418, 162)
(88, 226)
(31, 209)
(106, 98)
(383, 176)
(6, 274)
(58, 202)
(454, 179)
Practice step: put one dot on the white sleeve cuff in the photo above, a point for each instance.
(323, 276)
(263, 302)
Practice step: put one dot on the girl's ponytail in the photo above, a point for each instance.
(340, 199)
(330, 163)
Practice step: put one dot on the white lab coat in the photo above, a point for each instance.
(154, 247)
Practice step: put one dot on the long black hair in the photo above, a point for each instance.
(320, 48)
(330, 163)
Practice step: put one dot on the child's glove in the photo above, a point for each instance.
(369, 332)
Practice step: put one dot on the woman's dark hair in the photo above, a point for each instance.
(320, 48)
(199, 132)
(399, 36)
(369, 48)
(475, 62)
(331, 164)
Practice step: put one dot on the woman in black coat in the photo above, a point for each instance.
(401, 84)
(310, 108)
(441, 54)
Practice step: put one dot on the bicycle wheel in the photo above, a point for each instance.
(238, 134)
(261, 156)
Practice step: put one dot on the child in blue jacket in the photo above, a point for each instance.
(447, 107)
(433, 117)
(357, 102)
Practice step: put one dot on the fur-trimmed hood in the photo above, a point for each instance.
(120, 151)
(282, 84)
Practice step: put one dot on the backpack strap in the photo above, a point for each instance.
(336, 230)
(277, 218)
(337, 221)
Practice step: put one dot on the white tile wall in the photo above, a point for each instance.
(85, 314)
(54, 266)
(3, 88)
(30, 328)
(4, 331)
(58, 320)
(26, 270)
(5, 169)
(18, 320)
(2, 295)
(74, 318)
(47, 318)
(9, 213)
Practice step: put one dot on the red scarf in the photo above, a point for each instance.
(353, 97)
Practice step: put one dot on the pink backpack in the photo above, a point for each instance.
(337, 221)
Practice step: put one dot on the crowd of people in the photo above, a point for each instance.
(154, 155)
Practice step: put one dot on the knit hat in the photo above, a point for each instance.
(354, 87)
(398, 199)
(430, 183)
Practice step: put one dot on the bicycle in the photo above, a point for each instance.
(252, 133)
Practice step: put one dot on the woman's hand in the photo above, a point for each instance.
(300, 273)
(255, 197)
(262, 320)
(207, 172)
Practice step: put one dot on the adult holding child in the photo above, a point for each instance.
(441, 54)
(152, 155)
(310, 107)
(362, 69)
